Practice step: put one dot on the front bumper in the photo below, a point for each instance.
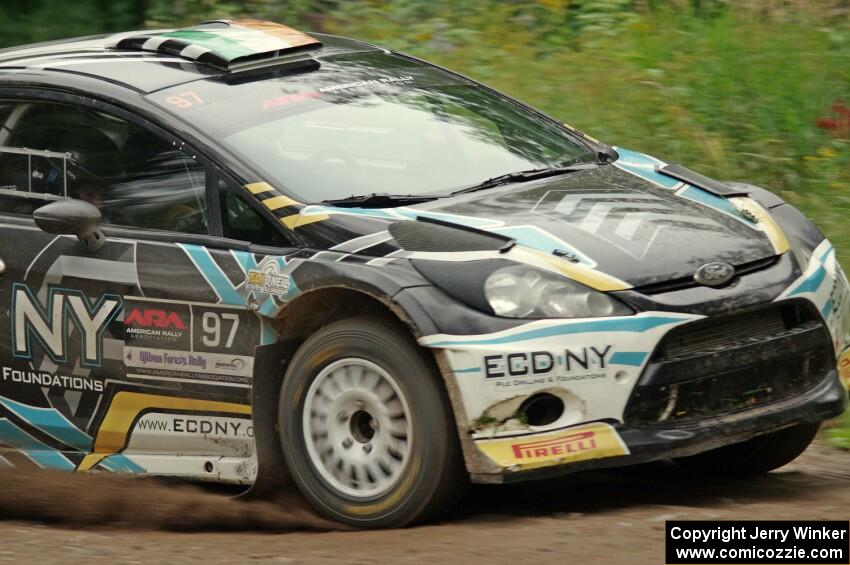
(655, 385)
(643, 444)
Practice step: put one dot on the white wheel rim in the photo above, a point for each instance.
(357, 428)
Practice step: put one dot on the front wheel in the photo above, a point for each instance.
(756, 456)
(366, 427)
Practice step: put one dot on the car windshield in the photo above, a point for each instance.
(373, 123)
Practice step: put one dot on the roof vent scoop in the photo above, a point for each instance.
(225, 44)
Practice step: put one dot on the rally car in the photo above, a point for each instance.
(237, 252)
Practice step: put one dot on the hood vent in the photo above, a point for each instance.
(430, 235)
(693, 178)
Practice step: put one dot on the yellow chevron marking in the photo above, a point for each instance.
(297, 220)
(258, 187)
(277, 202)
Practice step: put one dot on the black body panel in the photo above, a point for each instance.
(634, 230)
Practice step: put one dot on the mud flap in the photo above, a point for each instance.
(273, 479)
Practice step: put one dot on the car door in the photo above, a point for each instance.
(136, 356)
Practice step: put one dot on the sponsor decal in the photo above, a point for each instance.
(575, 443)
(44, 379)
(364, 83)
(269, 280)
(165, 358)
(188, 342)
(234, 365)
(174, 362)
(580, 443)
(537, 367)
(49, 326)
(164, 326)
(207, 426)
(127, 408)
(150, 318)
(149, 373)
(287, 99)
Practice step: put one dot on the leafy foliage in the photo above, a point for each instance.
(754, 90)
(29, 21)
(743, 89)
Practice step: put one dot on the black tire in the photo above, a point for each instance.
(756, 456)
(434, 476)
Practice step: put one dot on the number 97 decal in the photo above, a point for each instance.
(215, 325)
(219, 330)
(185, 100)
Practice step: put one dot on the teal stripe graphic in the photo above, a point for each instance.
(712, 201)
(643, 166)
(120, 464)
(812, 283)
(634, 358)
(42, 454)
(827, 309)
(246, 260)
(214, 275)
(51, 422)
(611, 325)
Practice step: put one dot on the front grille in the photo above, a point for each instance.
(682, 283)
(718, 333)
(730, 363)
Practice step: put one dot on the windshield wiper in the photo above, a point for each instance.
(379, 200)
(524, 176)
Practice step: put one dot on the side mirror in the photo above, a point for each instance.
(72, 217)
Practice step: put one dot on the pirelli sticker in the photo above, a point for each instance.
(580, 443)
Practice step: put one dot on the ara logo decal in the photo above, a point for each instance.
(151, 318)
(50, 325)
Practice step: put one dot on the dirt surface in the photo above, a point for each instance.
(611, 517)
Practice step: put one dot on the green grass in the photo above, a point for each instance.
(838, 432)
(736, 97)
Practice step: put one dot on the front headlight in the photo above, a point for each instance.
(525, 292)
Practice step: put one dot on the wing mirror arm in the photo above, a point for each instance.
(72, 217)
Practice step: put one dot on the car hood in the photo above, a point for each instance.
(632, 224)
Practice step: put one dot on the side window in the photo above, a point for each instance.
(136, 178)
(242, 222)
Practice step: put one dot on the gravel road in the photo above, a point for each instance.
(610, 517)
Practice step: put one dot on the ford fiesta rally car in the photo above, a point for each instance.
(240, 253)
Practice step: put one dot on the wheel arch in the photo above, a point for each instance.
(305, 315)
(316, 308)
